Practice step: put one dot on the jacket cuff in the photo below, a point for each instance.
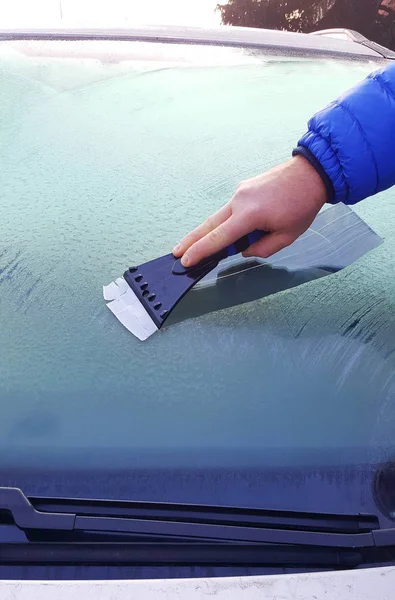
(326, 155)
(309, 156)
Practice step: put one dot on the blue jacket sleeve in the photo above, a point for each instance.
(351, 142)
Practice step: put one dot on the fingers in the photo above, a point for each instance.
(226, 233)
(209, 224)
(269, 244)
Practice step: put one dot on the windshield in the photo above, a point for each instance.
(110, 152)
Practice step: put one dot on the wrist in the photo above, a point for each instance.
(310, 181)
(320, 180)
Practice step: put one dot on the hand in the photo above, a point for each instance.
(282, 202)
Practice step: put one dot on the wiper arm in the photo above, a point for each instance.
(188, 532)
(203, 523)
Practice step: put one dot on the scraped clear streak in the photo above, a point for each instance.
(125, 305)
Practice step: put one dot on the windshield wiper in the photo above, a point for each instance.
(71, 531)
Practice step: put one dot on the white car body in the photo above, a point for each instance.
(365, 584)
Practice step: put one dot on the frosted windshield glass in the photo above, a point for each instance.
(107, 163)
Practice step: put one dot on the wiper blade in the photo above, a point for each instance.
(180, 554)
(73, 531)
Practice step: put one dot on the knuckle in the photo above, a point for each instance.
(216, 235)
(186, 239)
(242, 192)
(251, 209)
(210, 222)
(186, 243)
(251, 214)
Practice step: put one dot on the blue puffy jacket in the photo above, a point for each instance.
(351, 142)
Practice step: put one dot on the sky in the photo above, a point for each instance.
(22, 13)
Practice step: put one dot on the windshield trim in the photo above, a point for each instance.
(272, 41)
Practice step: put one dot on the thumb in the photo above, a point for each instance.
(268, 245)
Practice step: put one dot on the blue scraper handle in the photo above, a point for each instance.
(239, 246)
(245, 242)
